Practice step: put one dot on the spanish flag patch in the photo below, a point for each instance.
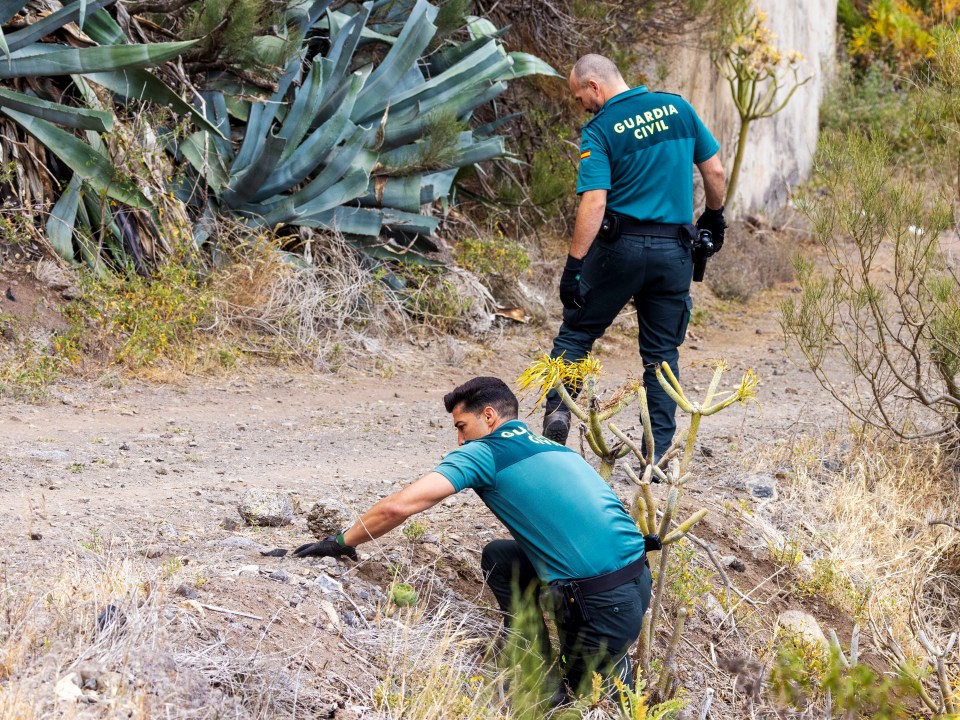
(585, 154)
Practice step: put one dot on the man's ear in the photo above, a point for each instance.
(490, 415)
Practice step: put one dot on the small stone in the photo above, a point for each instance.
(186, 591)
(152, 551)
(327, 584)
(279, 576)
(124, 446)
(249, 570)
(235, 542)
(161, 470)
(36, 536)
(328, 517)
(68, 688)
(229, 524)
(71, 293)
(263, 508)
(732, 562)
(50, 455)
(804, 625)
(791, 391)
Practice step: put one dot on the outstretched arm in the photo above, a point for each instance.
(392, 511)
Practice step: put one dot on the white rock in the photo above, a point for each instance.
(68, 688)
(804, 625)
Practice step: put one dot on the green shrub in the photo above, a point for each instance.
(144, 321)
(492, 255)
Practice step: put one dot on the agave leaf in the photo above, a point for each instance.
(416, 35)
(353, 183)
(36, 60)
(142, 85)
(314, 150)
(102, 28)
(336, 21)
(306, 103)
(244, 185)
(526, 64)
(201, 151)
(9, 8)
(86, 162)
(306, 13)
(481, 27)
(262, 115)
(437, 185)
(413, 223)
(347, 220)
(62, 219)
(57, 113)
(75, 11)
(402, 193)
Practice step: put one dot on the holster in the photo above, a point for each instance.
(568, 601)
(609, 227)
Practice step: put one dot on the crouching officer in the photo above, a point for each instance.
(569, 530)
(635, 180)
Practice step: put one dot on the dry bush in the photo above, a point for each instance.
(98, 636)
(873, 509)
(756, 255)
(320, 312)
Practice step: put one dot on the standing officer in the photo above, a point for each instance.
(570, 530)
(636, 180)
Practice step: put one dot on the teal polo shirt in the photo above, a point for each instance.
(567, 520)
(641, 148)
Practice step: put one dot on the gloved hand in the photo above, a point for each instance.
(713, 221)
(570, 283)
(651, 542)
(328, 547)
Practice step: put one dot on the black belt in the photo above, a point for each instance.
(609, 581)
(629, 226)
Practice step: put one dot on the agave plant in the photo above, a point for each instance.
(368, 123)
(352, 144)
(47, 91)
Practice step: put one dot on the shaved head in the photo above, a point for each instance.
(597, 68)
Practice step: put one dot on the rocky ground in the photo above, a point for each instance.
(111, 468)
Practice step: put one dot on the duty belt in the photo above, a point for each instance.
(608, 581)
(629, 226)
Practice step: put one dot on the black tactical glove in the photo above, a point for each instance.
(328, 547)
(713, 221)
(651, 542)
(570, 283)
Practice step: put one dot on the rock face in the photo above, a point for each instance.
(329, 517)
(259, 507)
(780, 149)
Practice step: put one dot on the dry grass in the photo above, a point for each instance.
(337, 307)
(754, 258)
(873, 506)
(97, 636)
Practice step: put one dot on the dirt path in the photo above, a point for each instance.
(159, 469)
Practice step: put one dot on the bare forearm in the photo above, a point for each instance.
(714, 182)
(378, 520)
(589, 216)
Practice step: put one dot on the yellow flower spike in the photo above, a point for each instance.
(746, 391)
(546, 373)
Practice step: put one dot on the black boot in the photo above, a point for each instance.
(556, 425)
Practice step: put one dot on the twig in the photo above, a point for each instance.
(228, 611)
(944, 522)
(707, 702)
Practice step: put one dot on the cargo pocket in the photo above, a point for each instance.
(684, 320)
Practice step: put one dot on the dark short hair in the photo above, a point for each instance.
(481, 392)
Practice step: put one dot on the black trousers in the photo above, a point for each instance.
(654, 273)
(599, 645)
